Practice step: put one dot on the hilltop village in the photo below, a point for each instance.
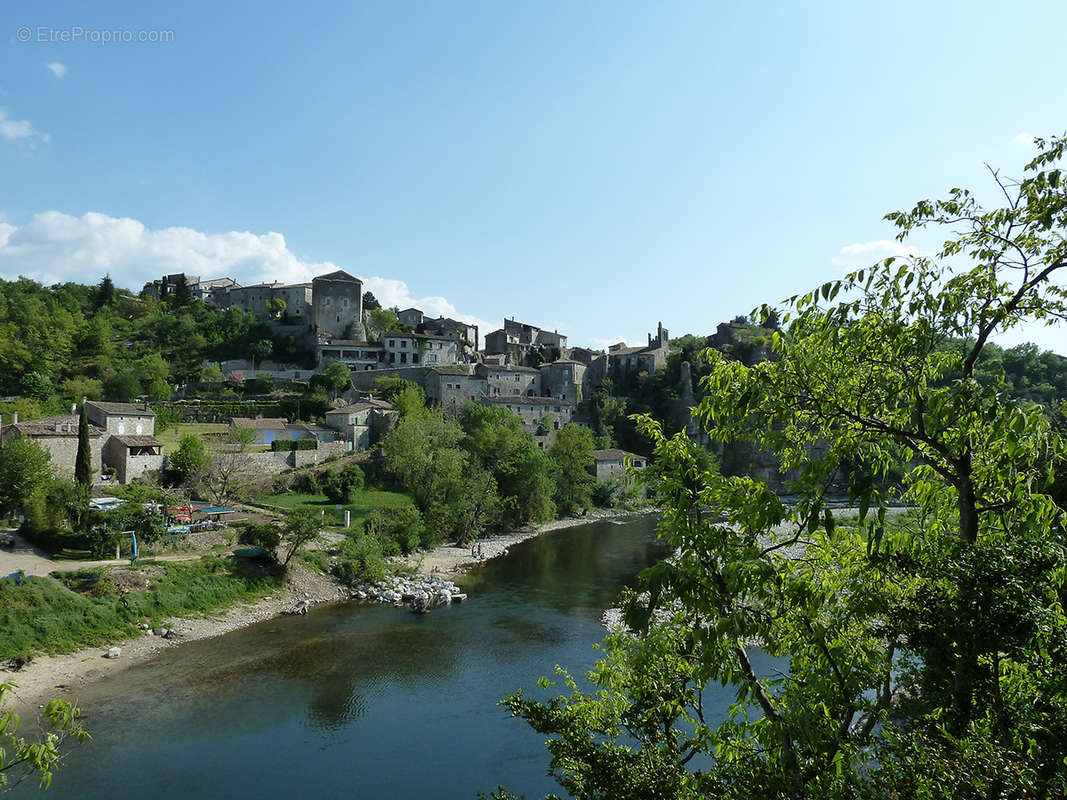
(531, 371)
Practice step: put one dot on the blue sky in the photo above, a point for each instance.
(591, 167)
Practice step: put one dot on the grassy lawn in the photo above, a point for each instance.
(171, 436)
(363, 503)
(88, 607)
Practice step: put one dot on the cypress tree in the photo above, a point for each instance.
(83, 468)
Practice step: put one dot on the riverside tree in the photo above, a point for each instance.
(919, 659)
(22, 757)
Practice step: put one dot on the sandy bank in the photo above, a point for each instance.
(451, 561)
(63, 676)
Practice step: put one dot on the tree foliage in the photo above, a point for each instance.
(22, 757)
(24, 469)
(917, 658)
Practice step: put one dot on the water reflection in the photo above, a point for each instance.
(363, 701)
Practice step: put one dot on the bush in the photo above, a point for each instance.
(399, 530)
(360, 560)
(288, 445)
(261, 534)
(338, 486)
(606, 494)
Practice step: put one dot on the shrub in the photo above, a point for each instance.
(288, 445)
(338, 486)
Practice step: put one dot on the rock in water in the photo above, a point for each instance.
(114, 652)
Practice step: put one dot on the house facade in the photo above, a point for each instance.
(58, 436)
(611, 464)
(362, 423)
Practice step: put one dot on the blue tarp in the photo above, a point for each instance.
(215, 510)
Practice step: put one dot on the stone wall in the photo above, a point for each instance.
(272, 462)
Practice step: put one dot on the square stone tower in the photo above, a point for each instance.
(337, 299)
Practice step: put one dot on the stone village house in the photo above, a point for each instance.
(121, 437)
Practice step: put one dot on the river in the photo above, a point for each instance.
(358, 701)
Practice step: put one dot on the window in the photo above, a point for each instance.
(403, 343)
(392, 358)
(403, 358)
(391, 343)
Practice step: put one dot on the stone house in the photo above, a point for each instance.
(418, 349)
(121, 418)
(519, 338)
(541, 416)
(337, 302)
(264, 429)
(623, 360)
(611, 464)
(133, 456)
(411, 317)
(464, 334)
(58, 436)
(254, 299)
(451, 388)
(563, 380)
(130, 446)
(506, 381)
(362, 423)
(359, 356)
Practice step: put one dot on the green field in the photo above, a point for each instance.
(364, 501)
(173, 435)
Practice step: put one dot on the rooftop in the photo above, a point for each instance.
(140, 441)
(122, 409)
(47, 426)
(529, 401)
(613, 454)
(261, 424)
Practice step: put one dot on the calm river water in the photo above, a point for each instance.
(358, 701)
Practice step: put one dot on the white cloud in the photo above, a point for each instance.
(1024, 138)
(863, 254)
(12, 129)
(54, 247)
(58, 68)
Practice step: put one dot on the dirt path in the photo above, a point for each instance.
(33, 561)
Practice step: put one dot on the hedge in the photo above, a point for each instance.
(285, 445)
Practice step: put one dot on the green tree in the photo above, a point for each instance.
(407, 397)
(190, 462)
(262, 534)
(37, 386)
(334, 379)
(122, 387)
(261, 350)
(455, 496)
(24, 469)
(338, 485)
(21, 757)
(105, 293)
(918, 658)
(524, 475)
(302, 527)
(212, 373)
(572, 453)
(159, 389)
